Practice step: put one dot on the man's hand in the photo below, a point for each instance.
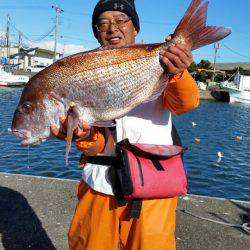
(82, 132)
(175, 58)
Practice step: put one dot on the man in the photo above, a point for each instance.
(98, 222)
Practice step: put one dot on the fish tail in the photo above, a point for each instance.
(193, 30)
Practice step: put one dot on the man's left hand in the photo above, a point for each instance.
(175, 58)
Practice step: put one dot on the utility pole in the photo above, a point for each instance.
(216, 47)
(8, 38)
(58, 12)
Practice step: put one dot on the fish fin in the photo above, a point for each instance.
(192, 27)
(73, 121)
(104, 124)
(57, 98)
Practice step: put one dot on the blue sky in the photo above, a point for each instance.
(34, 18)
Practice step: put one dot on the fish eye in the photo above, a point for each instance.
(26, 107)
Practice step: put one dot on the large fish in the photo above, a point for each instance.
(101, 85)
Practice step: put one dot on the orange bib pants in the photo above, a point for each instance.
(98, 224)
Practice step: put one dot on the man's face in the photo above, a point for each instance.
(115, 33)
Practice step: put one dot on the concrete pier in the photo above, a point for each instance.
(35, 213)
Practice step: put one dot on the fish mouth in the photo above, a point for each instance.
(31, 141)
(26, 135)
(20, 133)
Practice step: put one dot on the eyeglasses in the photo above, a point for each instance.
(119, 23)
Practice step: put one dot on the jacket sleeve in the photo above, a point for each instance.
(93, 145)
(181, 93)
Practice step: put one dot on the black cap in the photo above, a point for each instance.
(125, 6)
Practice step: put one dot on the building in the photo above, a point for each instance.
(25, 59)
(39, 57)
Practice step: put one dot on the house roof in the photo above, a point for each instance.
(40, 50)
(232, 65)
(50, 52)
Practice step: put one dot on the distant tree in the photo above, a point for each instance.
(193, 68)
(204, 64)
(241, 70)
(202, 76)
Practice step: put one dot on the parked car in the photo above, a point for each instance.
(35, 68)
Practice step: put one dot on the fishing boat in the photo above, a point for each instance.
(238, 88)
(8, 79)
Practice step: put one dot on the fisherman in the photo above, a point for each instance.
(98, 222)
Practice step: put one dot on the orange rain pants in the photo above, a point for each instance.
(98, 224)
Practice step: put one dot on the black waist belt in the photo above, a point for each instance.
(103, 160)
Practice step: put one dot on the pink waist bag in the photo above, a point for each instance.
(151, 171)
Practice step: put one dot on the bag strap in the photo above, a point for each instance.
(136, 208)
(175, 136)
(116, 186)
(113, 132)
(157, 164)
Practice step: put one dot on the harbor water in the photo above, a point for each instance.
(214, 129)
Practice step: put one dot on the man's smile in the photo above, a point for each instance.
(114, 40)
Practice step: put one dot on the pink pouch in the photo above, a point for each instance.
(151, 171)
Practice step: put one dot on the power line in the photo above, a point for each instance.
(31, 40)
(80, 39)
(235, 52)
(45, 35)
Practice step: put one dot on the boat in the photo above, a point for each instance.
(220, 95)
(238, 88)
(8, 79)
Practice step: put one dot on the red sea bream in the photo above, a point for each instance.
(101, 85)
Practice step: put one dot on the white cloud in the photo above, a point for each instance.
(68, 49)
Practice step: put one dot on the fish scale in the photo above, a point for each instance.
(127, 87)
